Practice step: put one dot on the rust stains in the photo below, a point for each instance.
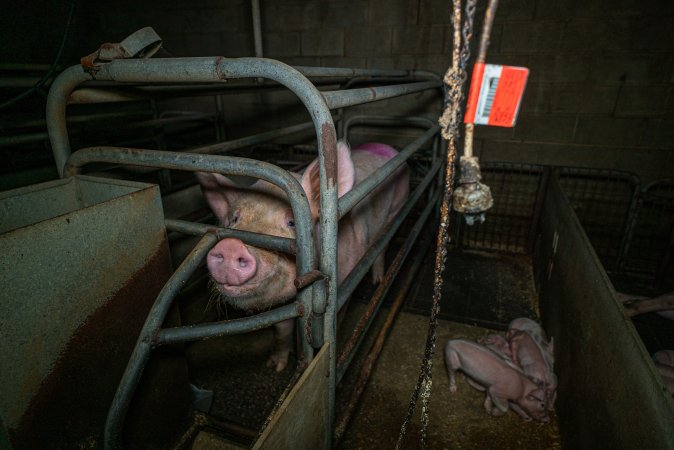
(70, 409)
(329, 141)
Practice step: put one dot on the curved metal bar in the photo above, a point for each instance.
(141, 353)
(57, 99)
(351, 97)
(218, 69)
(217, 164)
(280, 244)
(228, 166)
(216, 329)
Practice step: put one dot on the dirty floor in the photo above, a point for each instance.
(479, 289)
(456, 421)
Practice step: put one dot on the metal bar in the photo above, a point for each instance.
(257, 27)
(350, 72)
(222, 147)
(206, 69)
(141, 353)
(538, 208)
(481, 58)
(352, 97)
(114, 92)
(80, 118)
(487, 25)
(24, 138)
(59, 92)
(215, 69)
(216, 329)
(231, 166)
(628, 228)
(363, 120)
(277, 243)
(375, 350)
(355, 195)
(351, 282)
(358, 335)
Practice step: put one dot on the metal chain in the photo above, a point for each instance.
(455, 78)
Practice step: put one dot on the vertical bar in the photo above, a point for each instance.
(538, 207)
(481, 58)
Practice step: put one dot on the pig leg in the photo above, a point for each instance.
(495, 406)
(378, 268)
(453, 363)
(520, 412)
(452, 380)
(475, 384)
(283, 342)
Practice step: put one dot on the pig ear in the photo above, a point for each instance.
(219, 193)
(346, 176)
(536, 395)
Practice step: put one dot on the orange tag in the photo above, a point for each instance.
(495, 94)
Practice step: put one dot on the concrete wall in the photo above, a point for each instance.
(599, 94)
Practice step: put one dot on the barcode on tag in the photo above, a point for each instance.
(495, 94)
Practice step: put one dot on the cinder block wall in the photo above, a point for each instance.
(599, 94)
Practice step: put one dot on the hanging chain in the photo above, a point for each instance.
(450, 121)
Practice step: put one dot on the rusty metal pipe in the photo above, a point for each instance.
(358, 334)
(375, 351)
(277, 243)
(227, 327)
(485, 37)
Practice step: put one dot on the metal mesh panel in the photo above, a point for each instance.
(508, 227)
(603, 200)
(652, 230)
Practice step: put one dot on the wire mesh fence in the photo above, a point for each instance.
(631, 228)
(510, 222)
(604, 201)
(650, 240)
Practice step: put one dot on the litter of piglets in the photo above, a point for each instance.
(515, 370)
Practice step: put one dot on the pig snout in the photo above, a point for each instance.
(230, 263)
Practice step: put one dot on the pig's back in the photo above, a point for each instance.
(393, 192)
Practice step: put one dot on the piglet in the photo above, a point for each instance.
(538, 334)
(506, 386)
(499, 344)
(528, 355)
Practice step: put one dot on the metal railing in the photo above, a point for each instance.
(320, 297)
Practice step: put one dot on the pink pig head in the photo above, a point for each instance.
(249, 277)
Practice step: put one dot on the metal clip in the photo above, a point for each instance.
(143, 43)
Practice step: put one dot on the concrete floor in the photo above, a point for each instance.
(456, 421)
(245, 390)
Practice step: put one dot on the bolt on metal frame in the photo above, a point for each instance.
(319, 296)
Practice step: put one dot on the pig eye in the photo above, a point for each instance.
(291, 223)
(235, 218)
